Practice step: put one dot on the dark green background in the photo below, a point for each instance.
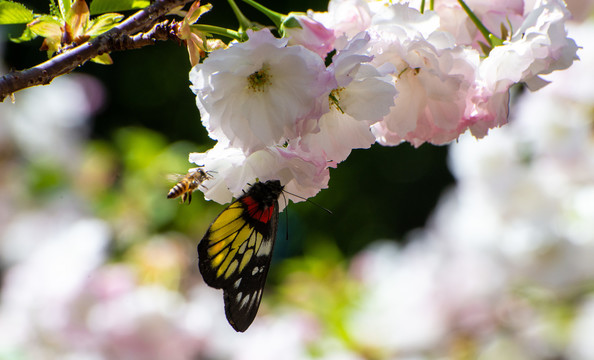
(379, 193)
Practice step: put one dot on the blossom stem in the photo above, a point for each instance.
(422, 10)
(431, 5)
(211, 29)
(277, 18)
(479, 25)
(244, 22)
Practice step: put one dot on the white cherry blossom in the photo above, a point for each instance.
(255, 94)
(364, 95)
(233, 172)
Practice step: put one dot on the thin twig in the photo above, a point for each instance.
(160, 32)
(123, 36)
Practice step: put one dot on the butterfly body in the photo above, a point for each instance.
(235, 253)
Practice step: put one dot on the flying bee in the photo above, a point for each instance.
(188, 184)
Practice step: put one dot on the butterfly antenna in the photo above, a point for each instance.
(286, 216)
(309, 201)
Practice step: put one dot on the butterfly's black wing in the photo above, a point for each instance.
(235, 253)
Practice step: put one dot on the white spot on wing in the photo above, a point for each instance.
(255, 270)
(265, 248)
(245, 301)
(236, 284)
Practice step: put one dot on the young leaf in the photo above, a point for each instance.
(103, 59)
(195, 12)
(54, 10)
(46, 26)
(505, 35)
(64, 6)
(77, 18)
(495, 41)
(485, 48)
(14, 13)
(103, 6)
(27, 35)
(103, 23)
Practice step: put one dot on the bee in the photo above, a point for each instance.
(188, 184)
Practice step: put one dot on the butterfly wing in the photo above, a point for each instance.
(235, 253)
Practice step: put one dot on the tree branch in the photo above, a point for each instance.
(160, 32)
(118, 38)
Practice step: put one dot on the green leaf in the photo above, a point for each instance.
(291, 22)
(103, 23)
(495, 41)
(103, 59)
(46, 26)
(54, 10)
(104, 6)
(485, 48)
(14, 13)
(505, 35)
(64, 6)
(27, 35)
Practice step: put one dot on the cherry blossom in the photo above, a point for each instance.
(364, 96)
(309, 33)
(234, 171)
(538, 47)
(433, 77)
(254, 94)
(493, 14)
(399, 74)
(346, 17)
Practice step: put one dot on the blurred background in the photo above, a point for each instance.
(478, 250)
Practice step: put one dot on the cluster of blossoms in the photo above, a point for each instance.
(397, 74)
(502, 271)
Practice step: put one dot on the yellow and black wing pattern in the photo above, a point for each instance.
(234, 254)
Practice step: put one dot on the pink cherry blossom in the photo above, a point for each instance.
(433, 77)
(538, 47)
(346, 17)
(399, 75)
(493, 14)
(310, 34)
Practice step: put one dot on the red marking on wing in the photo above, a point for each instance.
(255, 211)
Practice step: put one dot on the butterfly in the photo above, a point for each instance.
(234, 254)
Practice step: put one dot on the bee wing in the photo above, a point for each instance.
(175, 177)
